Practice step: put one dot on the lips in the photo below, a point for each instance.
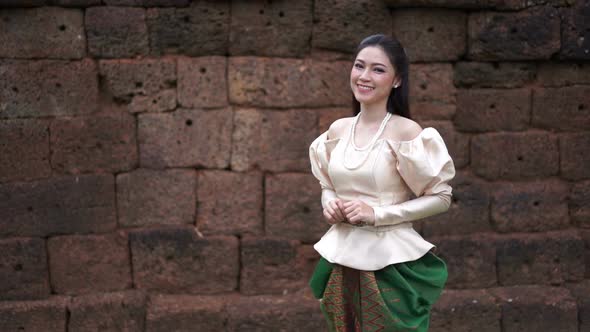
(365, 88)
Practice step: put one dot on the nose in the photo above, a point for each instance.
(364, 75)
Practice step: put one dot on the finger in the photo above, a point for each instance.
(337, 213)
(352, 215)
(329, 218)
(350, 209)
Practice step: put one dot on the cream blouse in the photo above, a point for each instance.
(388, 175)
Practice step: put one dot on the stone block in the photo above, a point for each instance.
(457, 142)
(202, 82)
(192, 138)
(340, 25)
(100, 143)
(432, 92)
(493, 75)
(293, 207)
(108, 312)
(536, 308)
(563, 74)
(574, 155)
(465, 311)
(186, 313)
(270, 266)
(581, 292)
(284, 83)
(273, 140)
(550, 258)
(562, 108)
(23, 269)
(153, 197)
(531, 34)
(44, 32)
(60, 205)
(179, 260)
(536, 206)
(470, 260)
(431, 35)
(274, 29)
(326, 116)
(230, 203)
(162, 101)
(575, 31)
(514, 156)
(47, 88)
(116, 32)
(75, 3)
(24, 149)
(469, 210)
(579, 204)
(480, 110)
(48, 315)
(201, 29)
(81, 264)
(148, 3)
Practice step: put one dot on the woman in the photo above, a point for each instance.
(376, 273)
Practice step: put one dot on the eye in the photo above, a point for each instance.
(380, 70)
(358, 66)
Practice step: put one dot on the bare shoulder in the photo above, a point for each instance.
(339, 128)
(401, 128)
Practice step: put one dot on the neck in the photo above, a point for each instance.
(373, 113)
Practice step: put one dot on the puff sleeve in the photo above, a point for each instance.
(426, 167)
(319, 156)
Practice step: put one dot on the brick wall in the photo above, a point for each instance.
(154, 172)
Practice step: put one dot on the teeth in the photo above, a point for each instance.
(364, 87)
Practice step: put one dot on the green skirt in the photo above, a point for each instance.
(396, 298)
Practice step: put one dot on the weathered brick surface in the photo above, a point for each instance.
(116, 32)
(562, 74)
(195, 313)
(75, 3)
(579, 204)
(178, 260)
(230, 203)
(581, 292)
(23, 269)
(281, 29)
(585, 234)
(574, 155)
(46, 32)
(25, 150)
(273, 140)
(514, 156)
(77, 268)
(432, 93)
(471, 260)
(60, 205)
(547, 258)
(275, 313)
(493, 75)
(43, 315)
(47, 88)
(457, 142)
(202, 82)
(465, 311)
(480, 110)
(475, 4)
(22, 3)
(270, 266)
(530, 206)
(102, 143)
(185, 138)
(562, 108)
(118, 311)
(283, 83)
(201, 29)
(161, 101)
(156, 197)
(536, 308)
(148, 3)
(326, 116)
(529, 34)
(340, 25)
(469, 210)
(431, 35)
(126, 79)
(293, 207)
(575, 31)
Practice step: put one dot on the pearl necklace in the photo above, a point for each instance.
(368, 147)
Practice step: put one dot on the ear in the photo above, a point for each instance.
(397, 81)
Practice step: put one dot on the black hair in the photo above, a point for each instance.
(397, 103)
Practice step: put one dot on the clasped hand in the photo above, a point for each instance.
(354, 212)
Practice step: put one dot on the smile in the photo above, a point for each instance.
(364, 87)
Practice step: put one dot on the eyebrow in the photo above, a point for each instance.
(374, 63)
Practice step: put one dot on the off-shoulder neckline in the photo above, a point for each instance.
(386, 139)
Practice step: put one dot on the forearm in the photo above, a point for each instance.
(327, 196)
(414, 209)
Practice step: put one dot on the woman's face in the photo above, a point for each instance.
(372, 76)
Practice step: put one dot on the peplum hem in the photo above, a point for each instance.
(369, 248)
